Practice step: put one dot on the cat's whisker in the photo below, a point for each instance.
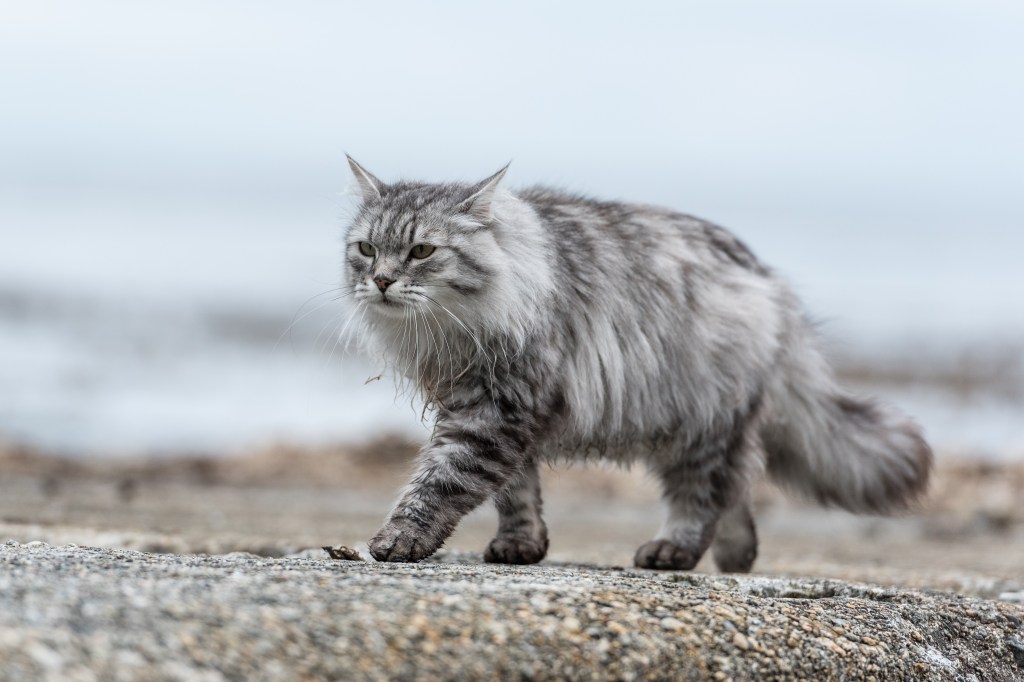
(406, 371)
(344, 295)
(339, 335)
(470, 332)
(466, 362)
(416, 331)
(431, 343)
(448, 347)
(340, 323)
(440, 330)
(296, 318)
(481, 347)
(361, 310)
(405, 342)
(413, 370)
(345, 335)
(428, 380)
(332, 323)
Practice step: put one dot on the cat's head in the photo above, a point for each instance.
(423, 248)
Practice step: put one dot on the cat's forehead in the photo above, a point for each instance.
(411, 196)
(409, 211)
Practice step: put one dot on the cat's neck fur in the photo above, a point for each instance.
(525, 280)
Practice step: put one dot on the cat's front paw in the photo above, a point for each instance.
(402, 540)
(665, 555)
(515, 549)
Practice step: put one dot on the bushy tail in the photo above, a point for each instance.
(840, 450)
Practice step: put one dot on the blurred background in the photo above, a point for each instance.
(173, 191)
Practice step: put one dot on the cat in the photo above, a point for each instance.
(541, 326)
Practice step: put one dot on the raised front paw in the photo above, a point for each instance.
(515, 549)
(665, 555)
(402, 540)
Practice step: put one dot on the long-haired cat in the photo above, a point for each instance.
(540, 326)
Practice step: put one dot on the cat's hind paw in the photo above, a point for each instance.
(515, 549)
(665, 555)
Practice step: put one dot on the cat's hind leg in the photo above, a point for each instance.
(522, 535)
(699, 485)
(735, 544)
(685, 535)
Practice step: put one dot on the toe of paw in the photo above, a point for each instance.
(515, 551)
(666, 555)
(397, 544)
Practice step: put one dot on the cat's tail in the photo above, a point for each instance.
(837, 449)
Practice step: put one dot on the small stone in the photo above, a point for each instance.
(740, 641)
(671, 623)
(617, 627)
(831, 646)
(343, 553)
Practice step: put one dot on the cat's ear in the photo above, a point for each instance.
(371, 187)
(482, 194)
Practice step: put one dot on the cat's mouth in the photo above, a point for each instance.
(390, 304)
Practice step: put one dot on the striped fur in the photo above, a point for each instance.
(546, 326)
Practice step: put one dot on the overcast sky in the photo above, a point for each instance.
(158, 160)
(924, 95)
(873, 134)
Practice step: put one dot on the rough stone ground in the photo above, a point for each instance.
(76, 612)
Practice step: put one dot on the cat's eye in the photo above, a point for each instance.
(421, 251)
(367, 249)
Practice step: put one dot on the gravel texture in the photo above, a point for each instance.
(77, 613)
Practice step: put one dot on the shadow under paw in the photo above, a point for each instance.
(515, 550)
(665, 555)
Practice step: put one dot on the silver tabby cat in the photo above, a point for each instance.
(541, 326)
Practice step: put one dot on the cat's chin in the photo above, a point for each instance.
(391, 308)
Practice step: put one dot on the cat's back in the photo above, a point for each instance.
(649, 302)
(635, 231)
(577, 215)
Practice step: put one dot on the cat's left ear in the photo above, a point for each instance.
(371, 187)
(479, 202)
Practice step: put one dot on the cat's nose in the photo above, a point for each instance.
(383, 282)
